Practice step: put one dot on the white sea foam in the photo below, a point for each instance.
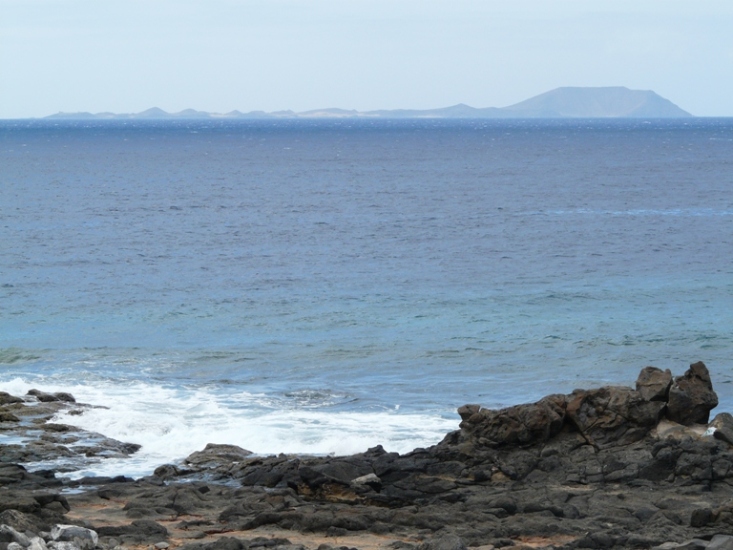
(172, 423)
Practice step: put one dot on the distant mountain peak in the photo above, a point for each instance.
(565, 102)
(153, 112)
(601, 102)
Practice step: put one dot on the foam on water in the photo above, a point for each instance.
(172, 423)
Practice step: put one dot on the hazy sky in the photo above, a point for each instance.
(220, 55)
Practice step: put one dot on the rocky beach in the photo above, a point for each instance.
(611, 467)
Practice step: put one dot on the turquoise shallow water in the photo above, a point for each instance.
(321, 286)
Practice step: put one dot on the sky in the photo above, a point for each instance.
(219, 55)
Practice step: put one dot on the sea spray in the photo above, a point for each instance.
(170, 424)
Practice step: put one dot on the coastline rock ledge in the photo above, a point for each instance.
(612, 467)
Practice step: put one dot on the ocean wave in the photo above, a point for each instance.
(172, 423)
(11, 356)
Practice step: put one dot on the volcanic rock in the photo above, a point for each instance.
(44, 397)
(691, 397)
(653, 384)
(217, 454)
(519, 425)
(723, 426)
(612, 415)
(6, 398)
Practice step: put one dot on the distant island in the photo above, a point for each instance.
(567, 102)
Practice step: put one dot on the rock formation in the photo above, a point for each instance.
(691, 396)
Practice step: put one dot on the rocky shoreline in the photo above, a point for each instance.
(611, 467)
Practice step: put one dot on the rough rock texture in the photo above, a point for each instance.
(723, 426)
(217, 454)
(653, 384)
(30, 418)
(612, 416)
(691, 397)
(519, 425)
(599, 468)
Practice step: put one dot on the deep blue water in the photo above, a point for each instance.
(339, 271)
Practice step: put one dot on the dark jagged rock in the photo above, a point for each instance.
(43, 440)
(44, 397)
(168, 471)
(18, 521)
(612, 415)
(723, 426)
(519, 425)
(691, 397)
(603, 416)
(6, 416)
(217, 454)
(653, 384)
(6, 398)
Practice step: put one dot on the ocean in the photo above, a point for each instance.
(324, 286)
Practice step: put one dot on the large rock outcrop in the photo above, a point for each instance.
(604, 417)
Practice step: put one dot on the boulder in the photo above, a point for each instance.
(9, 534)
(467, 411)
(370, 480)
(214, 454)
(19, 501)
(18, 521)
(519, 425)
(46, 499)
(722, 425)
(7, 399)
(65, 397)
(6, 416)
(691, 397)
(84, 538)
(43, 397)
(612, 415)
(167, 471)
(340, 471)
(653, 384)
